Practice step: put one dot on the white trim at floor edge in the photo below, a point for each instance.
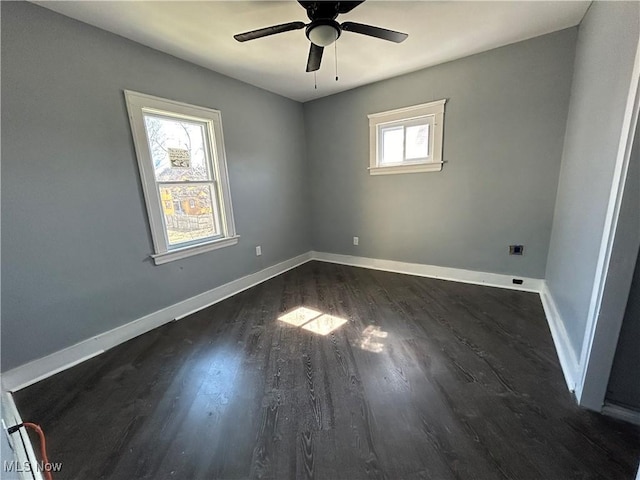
(566, 354)
(621, 413)
(23, 453)
(36, 370)
(434, 271)
(32, 372)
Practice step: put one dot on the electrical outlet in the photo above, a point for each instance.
(258, 251)
(516, 249)
(356, 240)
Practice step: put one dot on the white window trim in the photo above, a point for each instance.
(136, 103)
(435, 109)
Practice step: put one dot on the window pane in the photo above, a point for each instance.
(392, 145)
(177, 149)
(190, 213)
(417, 142)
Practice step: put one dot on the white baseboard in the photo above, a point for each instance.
(433, 271)
(621, 413)
(32, 372)
(566, 353)
(42, 368)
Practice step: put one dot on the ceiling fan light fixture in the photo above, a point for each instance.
(323, 29)
(323, 34)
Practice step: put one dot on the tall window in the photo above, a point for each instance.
(182, 164)
(407, 140)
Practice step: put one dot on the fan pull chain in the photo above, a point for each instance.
(315, 80)
(336, 55)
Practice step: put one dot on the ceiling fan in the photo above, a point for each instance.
(323, 29)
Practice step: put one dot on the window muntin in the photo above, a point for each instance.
(182, 163)
(407, 140)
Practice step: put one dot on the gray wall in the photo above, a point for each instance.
(75, 239)
(607, 40)
(504, 129)
(617, 287)
(6, 457)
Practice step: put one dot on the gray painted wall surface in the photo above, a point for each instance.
(6, 457)
(503, 137)
(624, 381)
(607, 40)
(76, 245)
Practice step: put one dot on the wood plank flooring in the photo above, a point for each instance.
(427, 379)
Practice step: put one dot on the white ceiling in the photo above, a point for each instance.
(202, 32)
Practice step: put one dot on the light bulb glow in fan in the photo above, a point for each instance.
(323, 35)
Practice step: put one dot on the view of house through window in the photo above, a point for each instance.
(182, 163)
(184, 178)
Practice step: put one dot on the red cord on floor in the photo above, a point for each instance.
(43, 449)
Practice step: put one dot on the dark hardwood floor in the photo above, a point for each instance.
(427, 379)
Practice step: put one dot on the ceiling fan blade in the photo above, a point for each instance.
(372, 31)
(346, 7)
(315, 57)
(265, 32)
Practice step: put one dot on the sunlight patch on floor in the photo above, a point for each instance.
(370, 337)
(312, 320)
(299, 316)
(324, 324)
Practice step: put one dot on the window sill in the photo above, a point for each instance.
(177, 254)
(415, 168)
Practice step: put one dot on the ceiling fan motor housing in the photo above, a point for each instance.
(323, 32)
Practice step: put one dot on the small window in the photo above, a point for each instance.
(182, 164)
(407, 140)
